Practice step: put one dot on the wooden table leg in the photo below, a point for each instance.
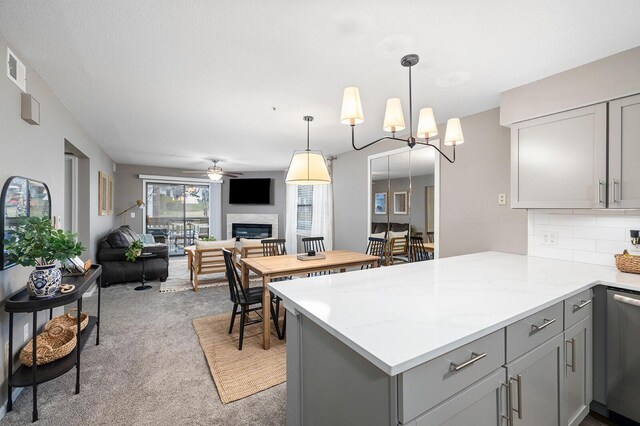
(374, 264)
(266, 313)
(245, 275)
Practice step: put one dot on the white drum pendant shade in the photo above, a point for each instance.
(308, 168)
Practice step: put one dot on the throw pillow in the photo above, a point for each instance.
(250, 242)
(378, 235)
(119, 239)
(398, 234)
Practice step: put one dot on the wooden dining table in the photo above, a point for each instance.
(271, 267)
(430, 247)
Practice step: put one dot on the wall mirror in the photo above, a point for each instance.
(402, 201)
(21, 197)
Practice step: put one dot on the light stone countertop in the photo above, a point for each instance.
(402, 316)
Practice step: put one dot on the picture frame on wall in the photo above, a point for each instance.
(380, 203)
(103, 198)
(400, 202)
(109, 195)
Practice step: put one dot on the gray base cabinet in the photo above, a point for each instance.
(577, 372)
(536, 381)
(481, 404)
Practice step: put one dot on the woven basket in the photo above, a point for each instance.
(53, 344)
(69, 321)
(628, 263)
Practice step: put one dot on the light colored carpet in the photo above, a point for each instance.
(238, 374)
(149, 368)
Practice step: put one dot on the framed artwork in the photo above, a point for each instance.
(110, 195)
(103, 194)
(380, 203)
(400, 202)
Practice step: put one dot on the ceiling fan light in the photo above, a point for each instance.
(351, 107)
(393, 117)
(308, 168)
(427, 127)
(214, 176)
(453, 136)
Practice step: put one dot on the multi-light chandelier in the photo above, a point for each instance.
(394, 119)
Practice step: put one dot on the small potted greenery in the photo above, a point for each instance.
(37, 243)
(134, 250)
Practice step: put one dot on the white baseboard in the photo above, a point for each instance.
(15, 393)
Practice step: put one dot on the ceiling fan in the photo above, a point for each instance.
(214, 172)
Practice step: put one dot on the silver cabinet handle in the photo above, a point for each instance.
(509, 416)
(518, 380)
(573, 354)
(614, 183)
(546, 324)
(582, 304)
(599, 187)
(627, 300)
(475, 357)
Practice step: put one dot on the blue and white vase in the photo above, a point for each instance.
(44, 281)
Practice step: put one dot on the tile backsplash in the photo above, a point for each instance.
(589, 236)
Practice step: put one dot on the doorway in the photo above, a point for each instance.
(177, 213)
(70, 221)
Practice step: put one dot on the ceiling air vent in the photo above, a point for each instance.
(16, 70)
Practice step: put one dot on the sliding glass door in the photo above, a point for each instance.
(177, 213)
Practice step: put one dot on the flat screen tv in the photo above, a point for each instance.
(250, 191)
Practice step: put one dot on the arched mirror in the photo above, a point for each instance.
(21, 197)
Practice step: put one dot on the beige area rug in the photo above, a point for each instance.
(179, 280)
(238, 374)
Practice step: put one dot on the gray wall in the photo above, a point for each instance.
(470, 218)
(129, 188)
(38, 152)
(612, 77)
(418, 183)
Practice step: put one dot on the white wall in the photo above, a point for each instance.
(588, 236)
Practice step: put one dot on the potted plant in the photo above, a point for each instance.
(36, 242)
(134, 250)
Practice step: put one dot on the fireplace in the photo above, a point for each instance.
(251, 230)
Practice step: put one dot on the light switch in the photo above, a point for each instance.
(502, 199)
(133, 215)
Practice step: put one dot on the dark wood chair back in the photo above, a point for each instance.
(236, 291)
(377, 247)
(430, 238)
(417, 250)
(313, 244)
(274, 247)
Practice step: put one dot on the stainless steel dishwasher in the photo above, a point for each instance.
(623, 353)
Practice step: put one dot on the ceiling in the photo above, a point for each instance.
(172, 83)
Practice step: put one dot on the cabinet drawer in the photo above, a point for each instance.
(427, 385)
(576, 308)
(533, 330)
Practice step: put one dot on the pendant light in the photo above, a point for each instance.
(394, 119)
(308, 167)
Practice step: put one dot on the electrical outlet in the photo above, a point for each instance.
(26, 332)
(133, 215)
(550, 239)
(502, 199)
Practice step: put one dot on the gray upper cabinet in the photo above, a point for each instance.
(559, 161)
(624, 152)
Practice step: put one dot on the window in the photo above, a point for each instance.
(305, 208)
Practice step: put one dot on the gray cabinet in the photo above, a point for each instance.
(483, 403)
(560, 161)
(624, 152)
(578, 389)
(536, 385)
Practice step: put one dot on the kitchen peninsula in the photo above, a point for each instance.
(473, 339)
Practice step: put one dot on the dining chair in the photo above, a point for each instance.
(313, 244)
(274, 247)
(249, 299)
(417, 250)
(277, 247)
(376, 247)
(431, 238)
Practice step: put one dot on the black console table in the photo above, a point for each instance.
(22, 302)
